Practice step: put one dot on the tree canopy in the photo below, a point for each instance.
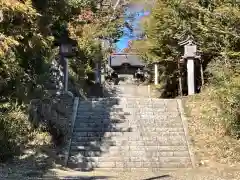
(28, 32)
(30, 27)
(215, 27)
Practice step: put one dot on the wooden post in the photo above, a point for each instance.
(156, 73)
(202, 73)
(180, 79)
(149, 91)
(96, 72)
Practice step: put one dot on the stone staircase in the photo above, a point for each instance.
(129, 133)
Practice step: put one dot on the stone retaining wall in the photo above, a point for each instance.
(52, 114)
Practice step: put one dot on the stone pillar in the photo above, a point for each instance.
(156, 74)
(65, 67)
(1, 16)
(190, 76)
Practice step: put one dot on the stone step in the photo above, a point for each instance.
(159, 142)
(126, 158)
(113, 108)
(105, 124)
(102, 130)
(130, 135)
(76, 146)
(160, 129)
(158, 119)
(164, 162)
(129, 98)
(82, 127)
(156, 155)
(107, 118)
(88, 151)
(149, 108)
(115, 102)
(104, 111)
(150, 115)
(163, 126)
(99, 103)
(135, 103)
(106, 156)
(125, 104)
(98, 106)
(148, 105)
(109, 141)
(86, 133)
(169, 142)
(101, 115)
(159, 110)
(105, 143)
(102, 99)
(117, 135)
(132, 145)
(127, 164)
(100, 120)
(147, 99)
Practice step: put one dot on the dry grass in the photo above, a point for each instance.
(211, 145)
(23, 148)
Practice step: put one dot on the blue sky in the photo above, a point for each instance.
(123, 41)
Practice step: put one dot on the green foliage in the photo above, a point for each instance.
(214, 28)
(88, 35)
(226, 92)
(81, 3)
(14, 130)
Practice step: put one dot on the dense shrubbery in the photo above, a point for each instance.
(28, 31)
(215, 27)
(225, 91)
(14, 131)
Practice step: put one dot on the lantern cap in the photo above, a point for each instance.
(65, 39)
(188, 41)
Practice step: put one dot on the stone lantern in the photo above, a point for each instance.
(190, 55)
(66, 50)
